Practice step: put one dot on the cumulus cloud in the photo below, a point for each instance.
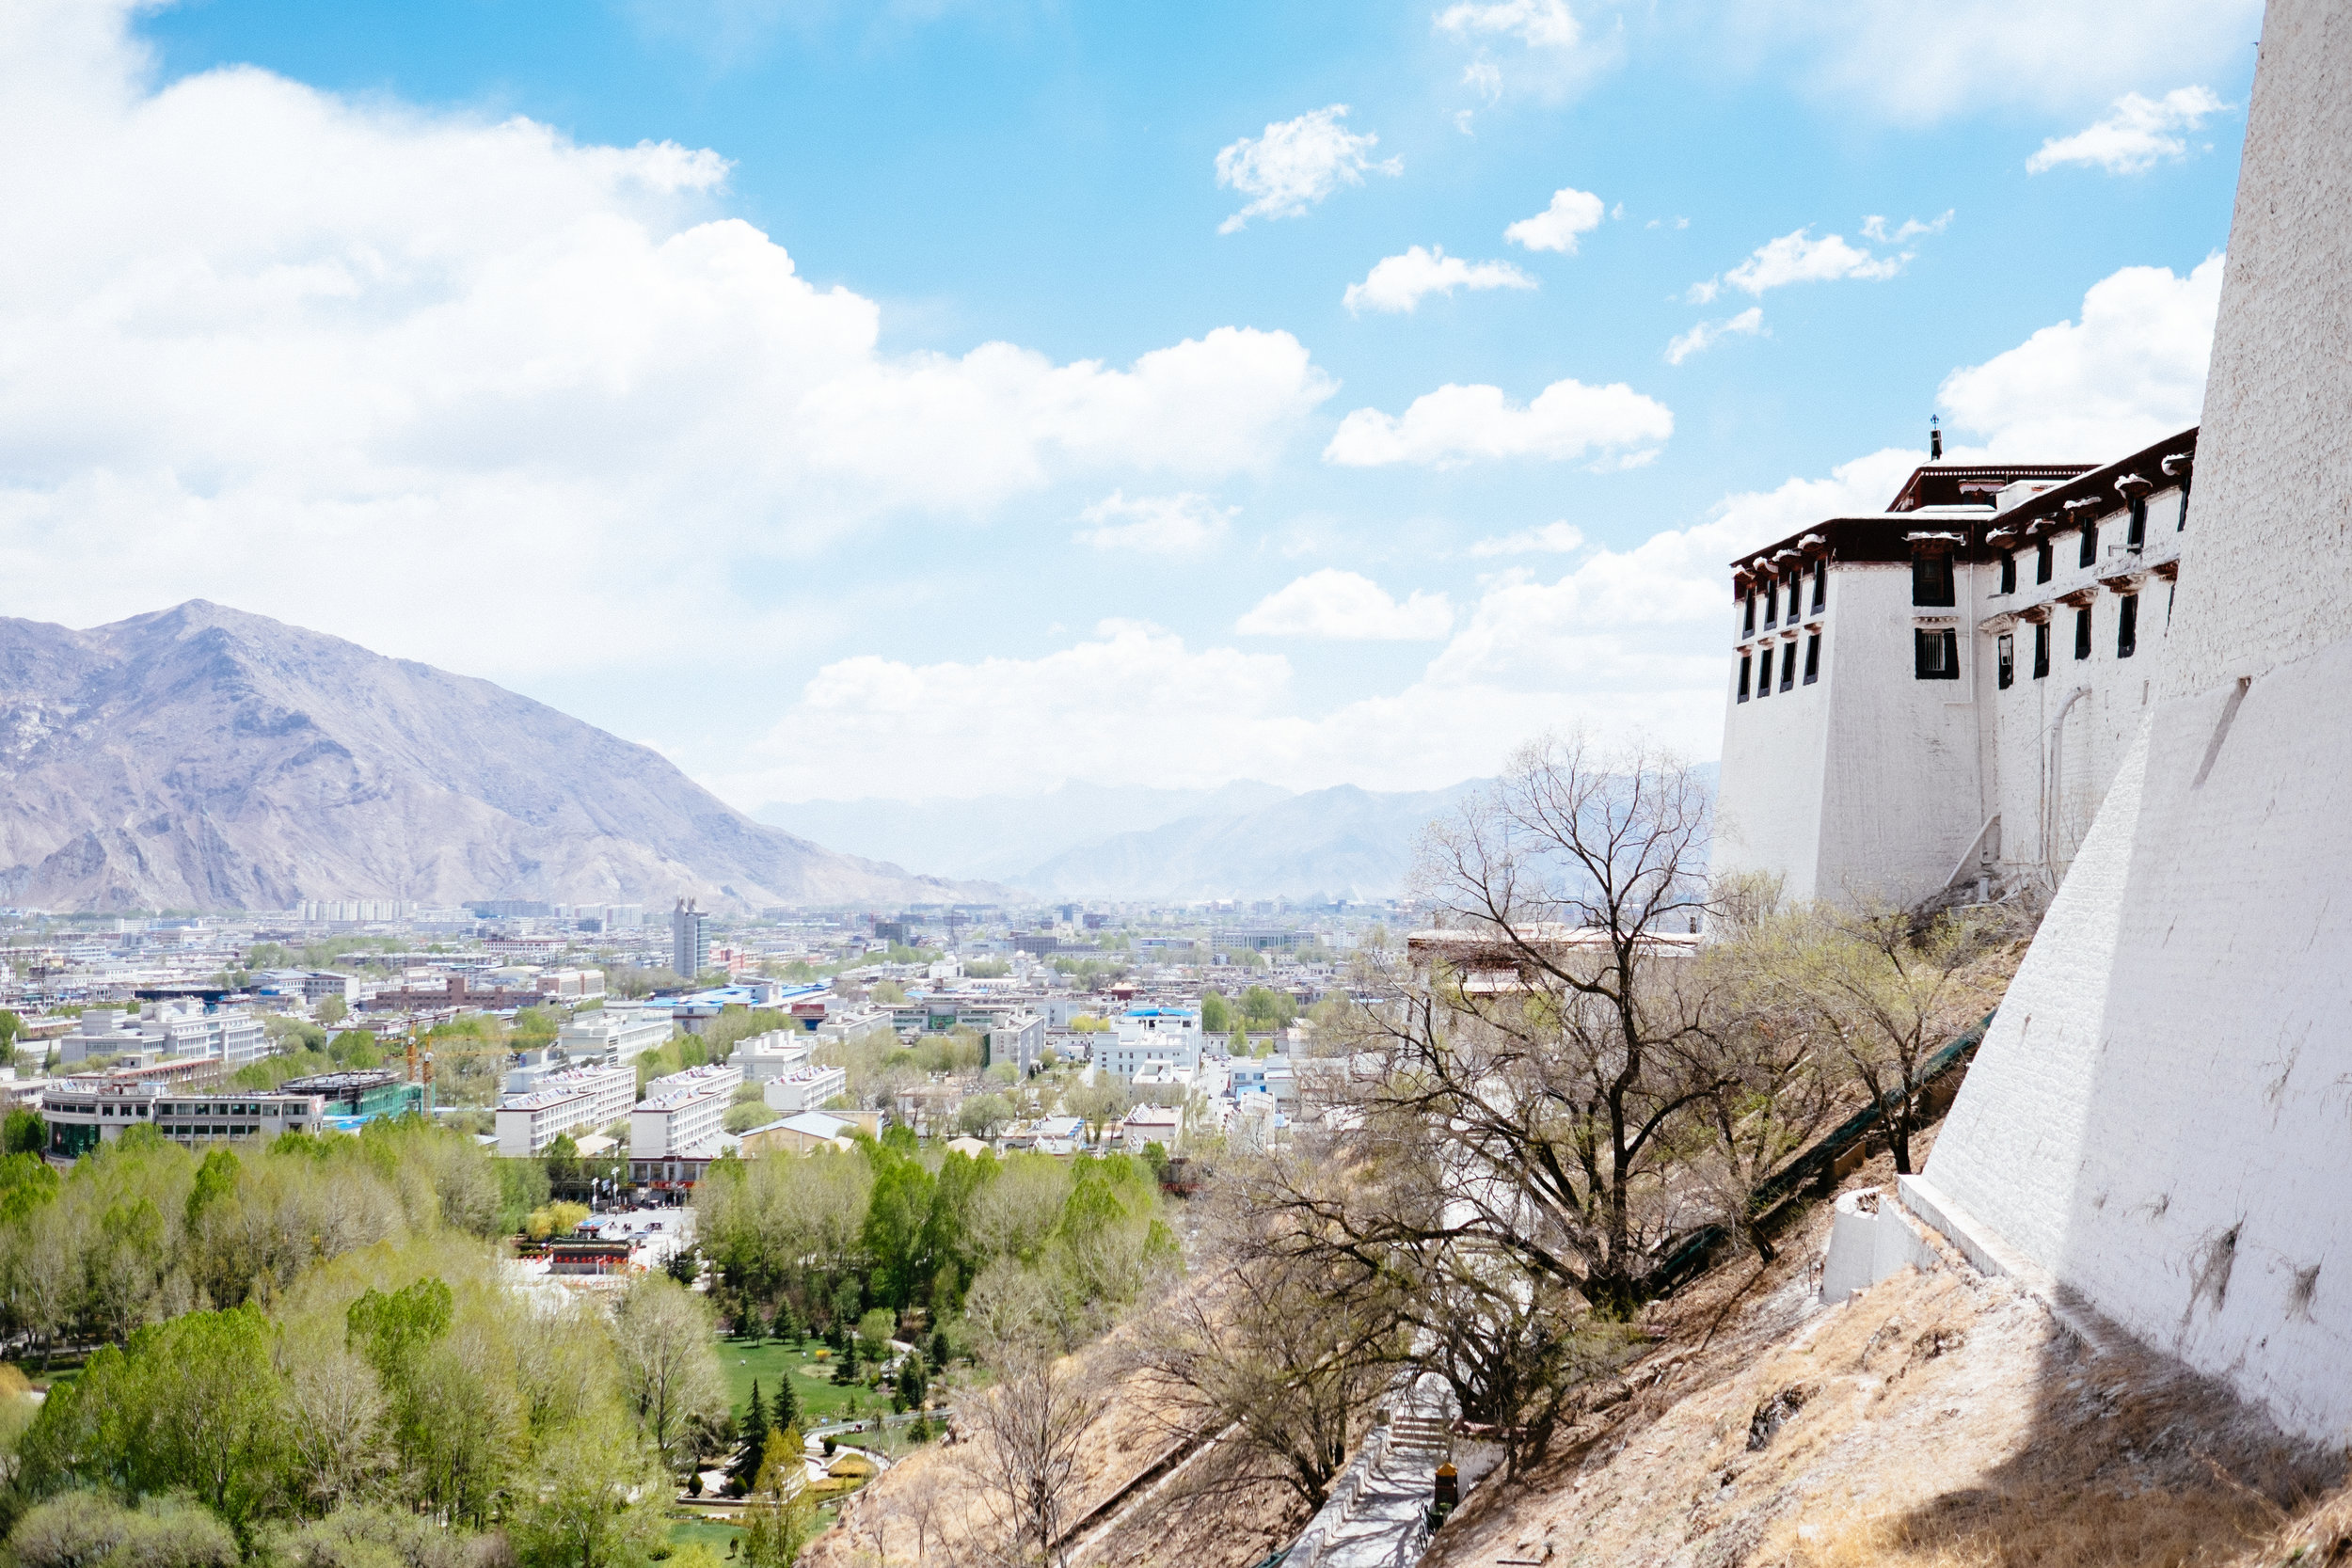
(1185, 524)
(1401, 283)
(1572, 213)
(1875, 58)
(254, 332)
(1633, 637)
(1561, 538)
(2129, 371)
(1536, 24)
(1345, 607)
(1458, 424)
(1706, 335)
(1799, 258)
(1297, 164)
(2138, 134)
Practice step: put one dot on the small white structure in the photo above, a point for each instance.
(772, 1055)
(614, 1034)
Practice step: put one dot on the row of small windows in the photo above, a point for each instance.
(1790, 583)
(2126, 640)
(1757, 668)
(1931, 571)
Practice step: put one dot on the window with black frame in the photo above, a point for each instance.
(1932, 578)
(1813, 659)
(2082, 631)
(2040, 649)
(1937, 653)
(1787, 665)
(2008, 570)
(1744, 677)
(1820, 585)
(2005, 650)
(2043, 560)
(2127, 625)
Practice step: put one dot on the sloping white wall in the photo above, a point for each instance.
(2162, 1114)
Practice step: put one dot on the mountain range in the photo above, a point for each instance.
(1247, 840)
(202, 757)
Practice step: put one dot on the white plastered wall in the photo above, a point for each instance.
(2162, 1114)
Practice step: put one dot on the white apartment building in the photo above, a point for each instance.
(1937, 696)
(1016, 1038)
(684, 1114)
(805, 1089)
(82, 1113)
(1148, 1035)
(231, 1036)
(576, 1101)
(614, 1034)
(568, 983)
(772, 1055)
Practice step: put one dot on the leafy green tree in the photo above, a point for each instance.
(594, 1503)
(752, 1433)
(332, 1010)
(669, 1364)
(23, 1133)
(1216, 1015)
(897, 1231)
(981, 1115)
(781, 1515)
(81, 1529)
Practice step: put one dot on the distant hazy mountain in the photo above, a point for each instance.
(998, 836)
(1341, 843)
(200, 757)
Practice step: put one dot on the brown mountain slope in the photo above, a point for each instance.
(202, 757)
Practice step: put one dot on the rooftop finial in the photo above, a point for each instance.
(1935, 440)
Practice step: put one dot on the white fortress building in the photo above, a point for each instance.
(1937, 695)
(2159, 1122)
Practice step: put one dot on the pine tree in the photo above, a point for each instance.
(785, 1412)
(755, 1429)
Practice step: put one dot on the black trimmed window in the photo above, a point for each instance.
(1937, 653)
(2008, 570)
(1747, 611)
(1796, 594)
(1821, 584)
(2044, 558)
(1932, 578)
(2090, 555)
(2135, 530)
(2082, 631)
(1772, 601)
(2127, 625)
(2183, 521)
(1745, 660)
(2005, 653)
(1787, 665)
(1764, 671)
(2040, 649)
(1813, 659)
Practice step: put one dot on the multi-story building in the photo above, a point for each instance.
(772, 1055)
(576, 1101)
(82, 1113)
(1934, 698)
(684, 1114)
(1015, 1038)
(169, 1027)
(689, 940)
(805, 1089)
(1170, 1036)
(614, 1034)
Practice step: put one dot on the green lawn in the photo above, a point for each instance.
(820, 1398)
(716, 1536)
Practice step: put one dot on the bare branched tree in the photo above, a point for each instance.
(1531, 1060)
(1026, 1437)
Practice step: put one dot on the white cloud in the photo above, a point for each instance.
(1187, 524)
(1887, 60)
(1628, 639)
(2138, 134)
(1344, 606)
(1875, 228)
(1401, 283)
(1706, 335)
(1799, 258)
(254, 333)
(1546, 47)
(1458, 424)
(1561, 538)
(1571, 213)
(2132, 369)
(1297, 164)
(1536, 24)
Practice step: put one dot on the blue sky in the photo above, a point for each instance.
(466, 330)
